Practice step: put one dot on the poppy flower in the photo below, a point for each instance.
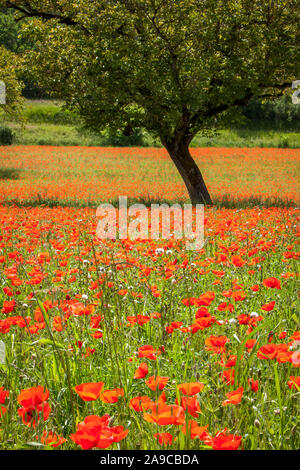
(51, 439)
(33, 396)
(139, 403)
(191, 405)
(95, 431)
(229, 362)
(269, 352)
(3, 395)
(272, 282)
(8, 306)
(250, 343)
(163, 414)
(216, 344)
(89, 391)
(156, 382)
(228, 376)
(194, 430)
(8, 291)
(254, 384)
(111, 396)
(234, 398)
(223, 441)
(205, 299)
(164, 438)
(141, 371)
(97, 335)
(33, 405)
(268, 307)
(149, 352)
(190, 388)
(295, 359)
(238, 296)
(294, 382)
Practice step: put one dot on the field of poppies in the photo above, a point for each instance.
(84, 176)
(141, 344)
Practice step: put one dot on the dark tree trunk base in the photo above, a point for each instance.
(185, 164)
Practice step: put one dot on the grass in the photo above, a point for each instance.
(48, 124)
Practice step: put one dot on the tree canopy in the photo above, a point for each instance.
(12, 108)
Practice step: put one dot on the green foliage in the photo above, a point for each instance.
(6, 135)
(9, 30)
(13, 106)
(49, 113)
(278, 114)
(11, 39)
(118, 139)
(170, 67)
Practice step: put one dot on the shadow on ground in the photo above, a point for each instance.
(226, 202)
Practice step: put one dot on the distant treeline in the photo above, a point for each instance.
(278, 114)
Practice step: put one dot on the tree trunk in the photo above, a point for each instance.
(189, 171)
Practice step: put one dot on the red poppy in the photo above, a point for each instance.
(194, 430)
(268, 307)
(223, 441)
(8, 306)
(272, 282)
(269, 351)
(254, 385)
(149, 352)
(294, 382)
(216, 344)
(52, 439)
(156, 382)
(3, 395)
(89, 391)
(191, 405)
(228, 376)
(141, 371)
(111, 396)
(95, 431)
(190, 388)
(164, 438)
(163, 414)
(295, 359)
(34, 405)
(139, 403)
(234, 398)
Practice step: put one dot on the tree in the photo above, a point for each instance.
(10, 87)
(173, 67)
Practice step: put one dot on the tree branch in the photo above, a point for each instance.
(29, 12)
(214, 111)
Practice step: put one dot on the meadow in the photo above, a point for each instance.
(85, 176)
(141, 344)
(47, 122)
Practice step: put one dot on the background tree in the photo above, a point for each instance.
(173, 67)
(12, 109)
